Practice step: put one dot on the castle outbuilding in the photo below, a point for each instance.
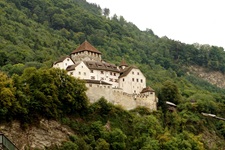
(122, 85)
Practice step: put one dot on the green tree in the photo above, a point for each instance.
(8, 103)
(69, 146)
(170, 92)
(101, 144)
(117, 140)
(106, 12)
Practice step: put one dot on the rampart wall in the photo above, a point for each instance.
(118, 97)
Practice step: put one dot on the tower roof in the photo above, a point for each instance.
(86, 46)
(123, 63)
(147, 89)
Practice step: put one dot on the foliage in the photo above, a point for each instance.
(35, 33)
(48, 93)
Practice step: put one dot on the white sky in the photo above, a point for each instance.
(188, 21)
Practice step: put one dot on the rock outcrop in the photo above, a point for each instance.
(214, 77)
(46, 134)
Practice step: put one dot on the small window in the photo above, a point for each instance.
(133, 79)
(111, 79)
(137, 80)
(102, 72)
(141, 81)
(110, 73)
(66, 64)
(90, 85)
(84, 73)
(132, 72)
(71, 73)
(102, 78)
(114, 74)
(92, 71)
(116, 80)
(79, 73)
(92, 77)
(68, 59)
(123, 79)
(137, 73)
(82, 67)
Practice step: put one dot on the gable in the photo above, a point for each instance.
(62, 59)
(131, 70)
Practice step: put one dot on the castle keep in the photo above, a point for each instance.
(121, 85)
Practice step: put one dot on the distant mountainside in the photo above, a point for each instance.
(35, 33)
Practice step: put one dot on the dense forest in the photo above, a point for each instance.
(34, 34)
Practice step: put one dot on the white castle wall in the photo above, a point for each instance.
(118, 97)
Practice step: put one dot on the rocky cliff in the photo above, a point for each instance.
(46, 134)
(214, 77)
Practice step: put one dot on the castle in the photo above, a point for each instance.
(121, 85)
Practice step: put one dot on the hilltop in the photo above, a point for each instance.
(36, 33)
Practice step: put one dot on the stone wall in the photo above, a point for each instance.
(118, 97)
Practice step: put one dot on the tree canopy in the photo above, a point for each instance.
(36, 33)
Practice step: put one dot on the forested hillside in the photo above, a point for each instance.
(35, 33)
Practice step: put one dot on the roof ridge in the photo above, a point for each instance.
(86, 46)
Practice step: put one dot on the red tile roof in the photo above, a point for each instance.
(101, 66)
(147, 89)
(71, 67)
(123, 63)
(126, 71)
(61, 59)
(86, 46)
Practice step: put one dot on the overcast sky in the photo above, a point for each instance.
(188, 21)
